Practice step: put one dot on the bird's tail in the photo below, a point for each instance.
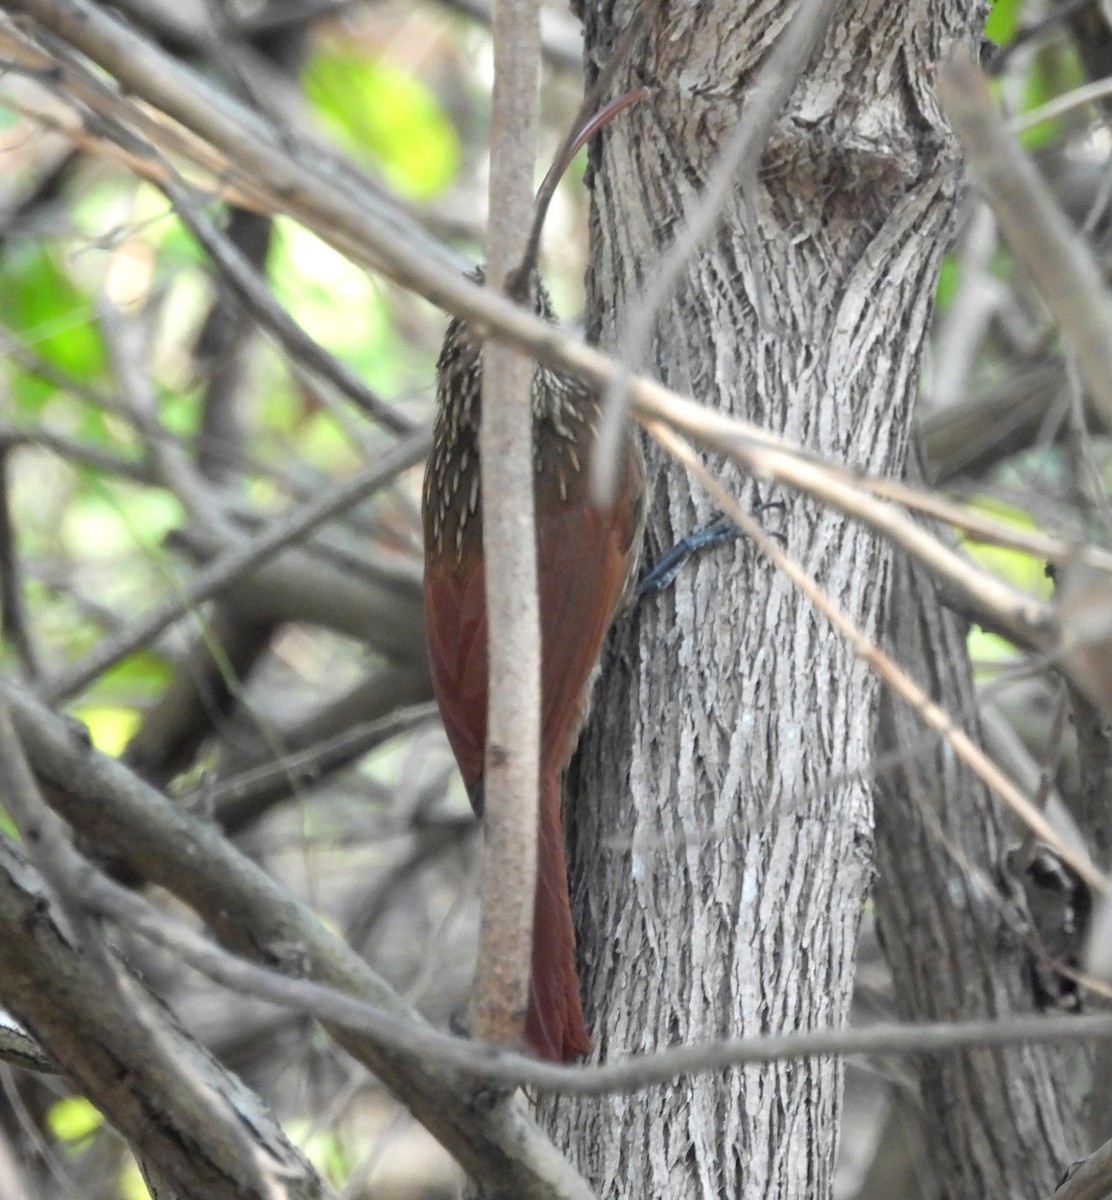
(554, 1025)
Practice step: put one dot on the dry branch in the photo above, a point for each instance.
(512, 766)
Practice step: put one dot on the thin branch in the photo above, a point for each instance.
(305, 768)
(1078, 97)
(171, 466)
(1027, 622)
(560, 43)
(19, 1049)
(377, 237)
(75, 451)
(1090, 1179)
(512, 765)
(1040, 236)
(497, 1065)
(1025, 619)
(136, 1063)
(244, 279)
(489, 1062)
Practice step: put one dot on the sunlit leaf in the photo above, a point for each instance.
(324, 1148)
(378, 112)
(110, 727)
(73, 1119)
(132, 1186)
(49, 313)
(948, 277)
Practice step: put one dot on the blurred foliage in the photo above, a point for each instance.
(73, 1119)
(384, 116)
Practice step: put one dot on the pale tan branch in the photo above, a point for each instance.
(512, 766)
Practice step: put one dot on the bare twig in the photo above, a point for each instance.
(127, 353)
(1078, 97)
(19, 1049)
(497, 1065)
(374, 236)
(1038, 233)
(1025, 619)
(560, 42)
(195, 1107)
(512, 765)
(305, 767)
(114, 808)
(75, 450)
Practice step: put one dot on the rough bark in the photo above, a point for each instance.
(999, 1122)
(722, 837)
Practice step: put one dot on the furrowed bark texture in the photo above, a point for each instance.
(999, 1122)
(722, 845)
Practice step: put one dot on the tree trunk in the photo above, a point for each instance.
(722, 835)
(999, 1122)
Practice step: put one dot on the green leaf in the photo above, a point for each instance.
(73, 1119)
(948, 277)
(324, 1148)
(110, 726)
(1003, 21)
(44, 308)
(380, 113)
(132, 1186)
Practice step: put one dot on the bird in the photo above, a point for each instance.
(587, 559)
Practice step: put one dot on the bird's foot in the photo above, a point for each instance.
(662, 573)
